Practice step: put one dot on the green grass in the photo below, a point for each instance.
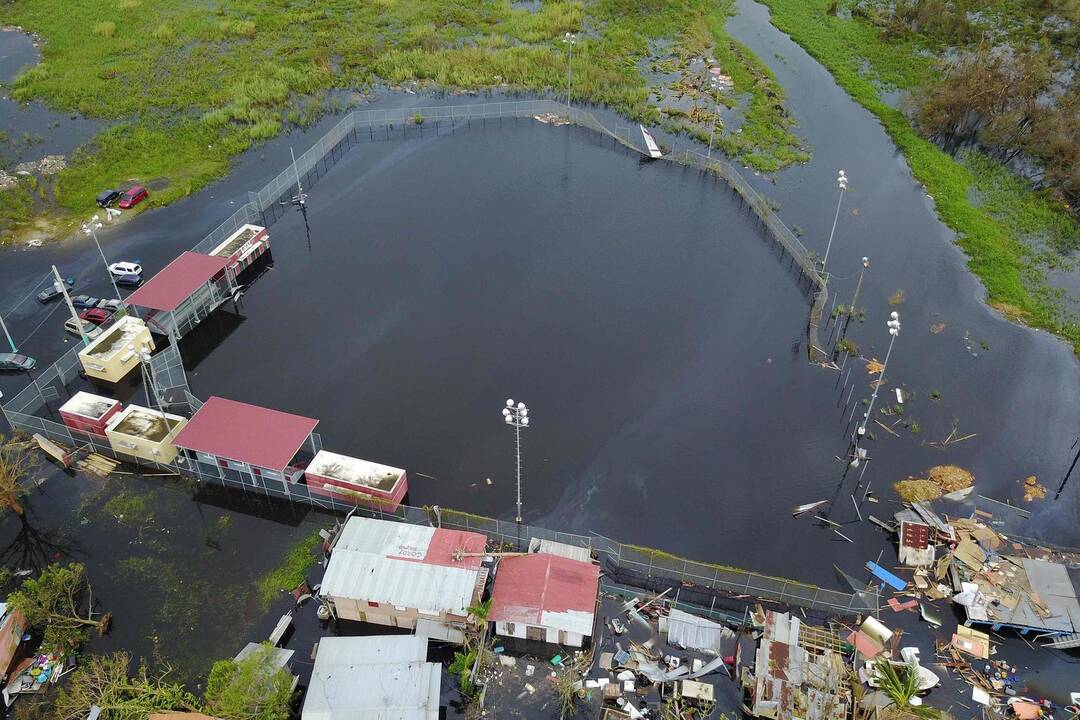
(291, 572)
(185, 85)
(990, 232)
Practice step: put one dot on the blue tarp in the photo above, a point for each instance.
(886, 576)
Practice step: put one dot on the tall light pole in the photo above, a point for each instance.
(894, 329)
(841, 181)
(714, 84)
(79, 322)
(8, 335)
(517, 416)
(569, 39)
(90, 230)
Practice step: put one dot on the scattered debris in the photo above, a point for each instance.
(939, 480)
(936, 328)
(1033, 490)
(550, 118)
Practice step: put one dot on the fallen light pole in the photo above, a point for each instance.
(517, 416)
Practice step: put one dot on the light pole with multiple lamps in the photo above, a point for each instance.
(517, 416)
(841, 181)
(715, 84)
(90, 230)
(894, 329)
(569, 39)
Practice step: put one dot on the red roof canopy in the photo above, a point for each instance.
(526, 586)
(177, 281)
(246, 433)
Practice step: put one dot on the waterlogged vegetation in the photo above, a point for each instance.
(1003, 224)
(291, 572)
(185, 86)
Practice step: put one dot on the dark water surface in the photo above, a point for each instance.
(32, 131)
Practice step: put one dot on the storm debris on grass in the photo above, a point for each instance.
(939, 480)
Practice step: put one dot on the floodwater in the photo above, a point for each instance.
(31, 131)
(655, 334)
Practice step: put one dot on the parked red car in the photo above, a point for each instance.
(133, 196)
(98, 316)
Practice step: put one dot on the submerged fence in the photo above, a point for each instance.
(644, 566)
(265, 205)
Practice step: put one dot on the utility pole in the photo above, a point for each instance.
(67, 299)
(301, 197)
(1071, 467)
(841, 181)
(90, 229)
(714, 83)
(858, 286)
(517, 416)
(894, 329)
(570, 39)
(8, 335)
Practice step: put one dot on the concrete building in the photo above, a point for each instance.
(144, 433)
(383, 677)
(115, 353)
(393, 573)
(359, 482)
(243, 247)
(89, 413)
(545, 598)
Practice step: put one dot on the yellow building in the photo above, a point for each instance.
(145, 433)
(116, 351)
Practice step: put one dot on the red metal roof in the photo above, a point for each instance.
(177, 281)
(526, 586)
(246, 433)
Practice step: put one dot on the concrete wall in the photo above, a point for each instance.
(540, 634)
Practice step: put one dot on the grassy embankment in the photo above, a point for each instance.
(991, 211)
(185, 85)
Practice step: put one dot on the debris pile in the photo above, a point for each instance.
(940, 480)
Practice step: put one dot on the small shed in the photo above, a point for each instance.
(243, 247)
(383, 677)
(546, 598)
(115, 353)
(394, 573)
(244, 443)
(145, 433)
(184, 292)
(359, 482)
(12, 627)
(89, 413)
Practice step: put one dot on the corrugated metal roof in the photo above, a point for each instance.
(277, 657)
(373, 678)
(403, 565)
(546, 591)
(696, 633)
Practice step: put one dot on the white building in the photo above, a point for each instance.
(393, 573)
(381, 677)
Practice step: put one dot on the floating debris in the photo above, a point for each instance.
(550, 118)
(936, 328)
(1033, 489)
(939, 480)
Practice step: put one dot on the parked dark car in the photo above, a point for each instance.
(52, 292)
(85, 301)
(106, 198)
(129, 280)
(133, 196)
(98, 316)
(13, 361)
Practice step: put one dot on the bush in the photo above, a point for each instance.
(163, 33)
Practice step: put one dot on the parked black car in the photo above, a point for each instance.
(106, 198)
(52, 292)
(128, 280)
